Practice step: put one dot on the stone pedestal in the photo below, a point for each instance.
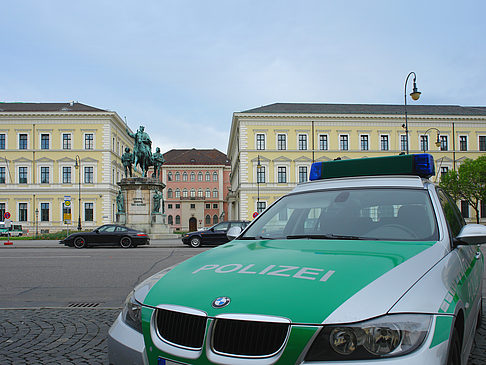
(138, 195)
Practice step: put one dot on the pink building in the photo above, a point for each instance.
(197, 185)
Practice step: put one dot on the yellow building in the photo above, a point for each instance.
(284, 140)
(59, 161)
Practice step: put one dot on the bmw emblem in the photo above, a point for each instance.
(221, 302)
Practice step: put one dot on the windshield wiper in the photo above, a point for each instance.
(324, 237)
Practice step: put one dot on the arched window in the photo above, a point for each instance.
(169, 193)
(215, 193)
(215, 176)
(193, 193)
(178, 219)
(200, 193)
(208, 176)
(184, 193)
(184, 176)
(208, 193)
(208, 220)
(177, 176)
(193, 176)
(170, 220)
(199, 176)
(215, 219)
(169, 176)
(178, 193)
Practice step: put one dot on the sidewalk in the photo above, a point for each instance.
(165, 243)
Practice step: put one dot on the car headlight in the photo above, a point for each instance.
(388, 336)
(132, 312)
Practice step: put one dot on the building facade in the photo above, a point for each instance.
(271, 148)
(197, 183)
(60, 162)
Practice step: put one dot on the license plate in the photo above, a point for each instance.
(162, 361)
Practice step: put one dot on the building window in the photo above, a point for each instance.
(88, 212)
(403, 142)
(193, 176)
(482, 210)
(44, 212)
(261, 175)
(169, 176)
(178, 219)
(184, 176)
(66, 175)
(193, 193)
(207, 221)
(177, 176)
(281, 174)
(2, 178)
(193, 206)
(384, 143)
(199, 176)
(302, 174)
(170, 220)
(169, 193)
(184, 193)
(44, 141)
(22, 175)
(169, 206)
(208, 176)
(482, 143)
(215, 219)
(343, 142)
(261, 206)
(208, 206)
(424, 143)
(22, 212)
(444, 170)
(208, 193)
(2, 141)
(465, 208)
(66, 141)
(44, 175)
(3, 209)
(215, 206)
(88, 141)
(22, 141)
(281, 142)
(444, 145)
(215, 176)
(88, 174)
(302, 142)
(260, 141)
(463, 143)
(177, 193)
(200, 193)
(178, 206)
(364, 142)
(215, 193)
(323, 145)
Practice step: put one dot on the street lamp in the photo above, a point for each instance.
(258, 183)
(415, 94)
(36, 222)
(77, 165)
(437, 142)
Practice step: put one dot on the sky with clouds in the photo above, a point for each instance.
(183, 67)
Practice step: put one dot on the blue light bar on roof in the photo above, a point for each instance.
(420, 164)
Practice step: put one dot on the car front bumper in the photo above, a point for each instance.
(125, 345)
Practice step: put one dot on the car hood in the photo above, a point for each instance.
(303, 280)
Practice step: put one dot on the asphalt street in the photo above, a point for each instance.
(57, 303)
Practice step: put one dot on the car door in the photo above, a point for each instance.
(217, 234)
(106, 235)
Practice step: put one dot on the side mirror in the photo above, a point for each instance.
(472, 234)
(233, 232)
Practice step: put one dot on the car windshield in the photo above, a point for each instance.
(366, 213)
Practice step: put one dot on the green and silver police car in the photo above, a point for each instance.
(368, 263)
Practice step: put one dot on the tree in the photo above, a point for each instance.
(468, 184)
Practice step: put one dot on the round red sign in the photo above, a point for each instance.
(7, 215)
(255, 214)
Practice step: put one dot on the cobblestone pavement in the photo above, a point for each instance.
(78, 336)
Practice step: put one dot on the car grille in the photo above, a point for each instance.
(247, 338)
(180, 328)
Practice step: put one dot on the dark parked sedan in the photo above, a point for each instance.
(107, 235)
(216, 235)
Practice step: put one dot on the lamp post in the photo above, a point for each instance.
(36, 222)
(437, 142)
(77, 165)
(258, 183)
(415, 94)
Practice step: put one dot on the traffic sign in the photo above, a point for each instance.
(67, 200)
(255, 214)
(6, 215)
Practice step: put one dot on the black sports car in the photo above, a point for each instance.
(107, 235)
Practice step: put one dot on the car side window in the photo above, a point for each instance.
(451, 213)
(121, 229)
(110, 229)
(222, 226)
